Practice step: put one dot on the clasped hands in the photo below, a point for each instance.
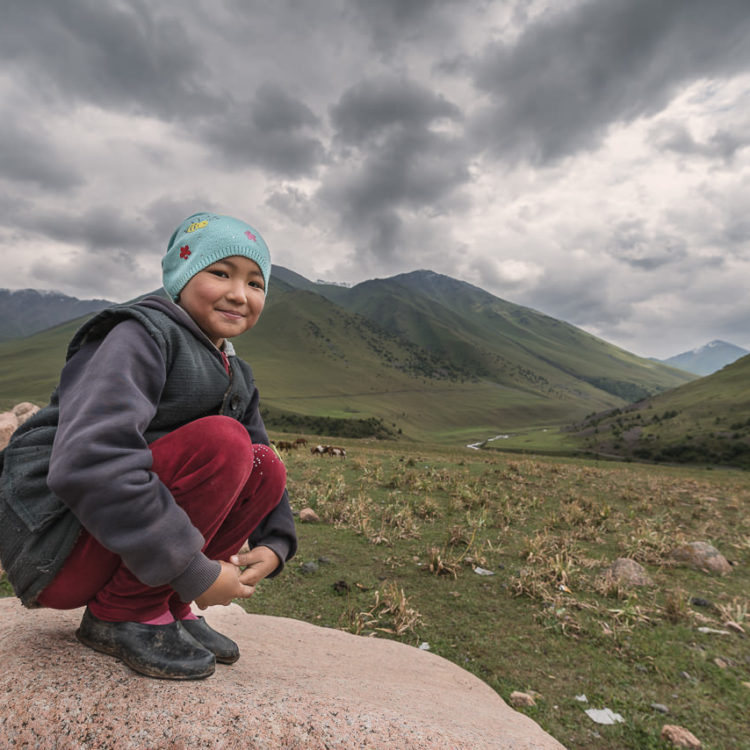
(234, 582)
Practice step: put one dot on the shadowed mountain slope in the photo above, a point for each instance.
(470, 328)
(706, 421)
(423, 352)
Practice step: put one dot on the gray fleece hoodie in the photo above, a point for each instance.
(134, 373)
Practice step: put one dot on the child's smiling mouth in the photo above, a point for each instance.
(231, 314)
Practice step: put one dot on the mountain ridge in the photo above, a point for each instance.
(421, 351)
(24, 312)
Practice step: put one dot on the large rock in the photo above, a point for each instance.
(702, 556)
(627, 572)
(296, 686)
(11, 420)
(8, 425)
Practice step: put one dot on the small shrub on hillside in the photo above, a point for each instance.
(676, 606)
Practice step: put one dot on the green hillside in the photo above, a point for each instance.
(426, 354)
(705, 421)
(503, 341)
(29, 367)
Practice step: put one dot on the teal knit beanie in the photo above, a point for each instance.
(204, 238)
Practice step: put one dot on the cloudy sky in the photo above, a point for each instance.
(587, 158)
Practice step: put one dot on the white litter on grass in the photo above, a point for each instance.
(603, 716)
(582, 698)
(424, 646)
(713, 630)
(483, 571)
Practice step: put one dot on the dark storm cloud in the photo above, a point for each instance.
(274, 130)
(632, 243)
(569, 76)
(27, 154)
(97, 228)
(125, 56)
(722, 144)
(373, 107)
(390, 23)
(584, 299)
(410, 169)
(294, 204)
(394, 158)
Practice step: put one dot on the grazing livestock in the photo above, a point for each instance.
(300, 441)
(285, 445)
(328, 450)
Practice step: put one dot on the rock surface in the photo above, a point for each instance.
(308, 515)
(702, 556)
(680, 737)
(11, 420)
(627, 572)
(296, 686)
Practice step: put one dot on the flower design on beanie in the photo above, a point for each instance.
(251, 236)
(185, 252)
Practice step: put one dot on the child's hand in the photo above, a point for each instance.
(226, 587)
(258, 563)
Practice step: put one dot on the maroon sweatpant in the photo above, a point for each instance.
(225, 484)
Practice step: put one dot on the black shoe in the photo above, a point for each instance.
(225, 649)
(165, 651)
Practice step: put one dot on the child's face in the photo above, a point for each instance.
(226, 298)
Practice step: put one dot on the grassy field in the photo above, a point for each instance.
(403, 528)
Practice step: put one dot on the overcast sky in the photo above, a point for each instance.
(588, 159)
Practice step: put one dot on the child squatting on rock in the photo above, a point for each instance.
(133, 491)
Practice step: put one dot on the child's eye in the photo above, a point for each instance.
(256, 285)
(221, 274)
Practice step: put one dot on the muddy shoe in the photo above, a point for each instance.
(164, 651)
(225, 649)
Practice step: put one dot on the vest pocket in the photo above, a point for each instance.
(24, 480)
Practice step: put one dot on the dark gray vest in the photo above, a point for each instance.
(37, 530)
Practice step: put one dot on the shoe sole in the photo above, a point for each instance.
(224, 660)
(140, 668)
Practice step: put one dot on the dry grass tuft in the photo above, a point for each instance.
(391, 613)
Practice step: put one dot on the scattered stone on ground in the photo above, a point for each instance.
(627, 572)
(603, 716)
(702, 556)
(483, 571)
(732, 625)
(660, 707)
(517, 698)
(582, 698)
(308, 515)
(713, 631)
(309, 567)
(720, 663)
(680, 737)
(698, 601)
(296, 685)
